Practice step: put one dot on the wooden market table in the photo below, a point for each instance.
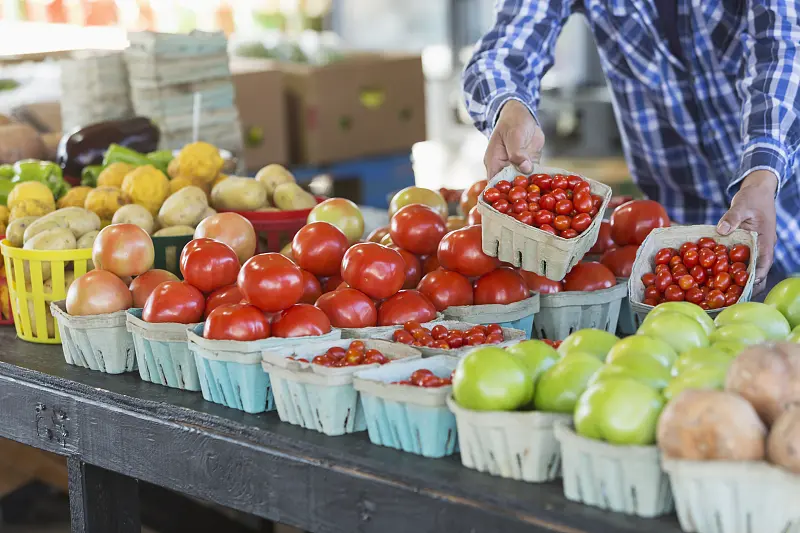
(115, 430)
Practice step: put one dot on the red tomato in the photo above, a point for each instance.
(632, 222)
(413, 270)
(694, 295)
(716, 300)
(699, 274)
(517, 193)
(418, 229)
(740, 277)
(541, 284)
(648, 279)
(543, 218)
(301, 320)
(503, 186)
(491, 195)
(143, 285)
(686, 282)
(404, 306)
(520, 206)
(312, 289)
(174, 302)
(620, 260)
(707, 258)
(378, 234)
(568, 234)
(691, 258)
(707, 242)
(604, 241)
(223, 296)
(674, 294)
(446, 288)
(664, 256)
(501, 286)
(209, 265)
(429, 264)
(271, 282)
(123, 249)
(375, 270)
(589, 276)
(663, 280)
(501, 205)
(236, 322)
(331, 283)
(651, 292)
(469, 198)
(582, 201)
(349, 308)
(319, 248)
(581, 222)
(461, 250)
(564, 207)
(474, 217)
(562, 222)
(740, 253)
(736, 267)
(722, 281)
(548, 228)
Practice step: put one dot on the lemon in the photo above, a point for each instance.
(113, 175)
(31, 190)
(147, 186)
(199, 161)
(104, 201)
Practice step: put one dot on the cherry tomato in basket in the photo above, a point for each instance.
(581, 222)
(740, 253)
(740, 277)
(674, 294)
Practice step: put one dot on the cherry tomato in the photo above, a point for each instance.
(446, 288)
(721, 265)
(439, 332)
(740, 278)
(501, 286)
(533, 188)
(377, 271)
(174, 302)
(564, 207)
(663, 280)
(707, 258)
(547, 202)
(559, 194)
(418, 229)
(475, 339)
(664, 256)
(502, 205)
(568, 234)
(491, 195)
(652, 302)
(604, 240)
(648, 279)
(722, 281)
(319, 248)
(517, 193)
(418, 375)
(208, 264)
(526, 217)
(548, 228)
(699, 274)
(519, 206)
(455, 340)
(589, 276)
(735, 267)
(686, 282)
(582, 200)
(533, 197)
(661, 268)
(462, 251)
(533, 206)
(691, 258)
(721, 249)
(560, 181)
(521, 181)
(736, 290)
(632, 222)
(685, 247)
(404, 306)
(542, 218)
(581, 222)
(694, 295)
(503, 186)
(740, 253)
(674, 294)
(715, 299)
(675, 260)
(651, 292)
(224, 296)
(236, 322)
(620, 261)
(707, 242)
(301, 320)
(494, 338)
(348, 308)
(543, 181)
(561, 222)
(402, 336)
(704, 305)
(541, 284)
(272, 282)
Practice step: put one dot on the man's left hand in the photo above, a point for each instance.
(753, 209)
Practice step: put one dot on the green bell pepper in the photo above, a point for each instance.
(121, 154)
(5, 189)
(90, 174)
(161, 159)
(45, 172)
(7, 172)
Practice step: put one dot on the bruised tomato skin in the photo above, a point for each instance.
(271, 282)
(236, 322)
(462, 251)
(417, 228)
(174, 302)
(413, 268)
(446, 288)
(374, 269)
(501, 286)
(223, 296)
(541, 284)
(589, 277)
(319, 248)
(311, 288)
(405, 306)
(208, 264)
(348, 308)
(301, 320)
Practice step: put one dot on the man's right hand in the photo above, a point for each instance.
(516, 140)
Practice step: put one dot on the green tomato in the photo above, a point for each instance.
(710, 377)
(490, 379)
(732, 348)
(537, 356)
(644, 345)
(592, 341)
(623, 412)
(560, 387)
(678, 330)
(767, 318)
(744, 333)
(686, 308)
(641, 367)
(701, 358)
(785, 297)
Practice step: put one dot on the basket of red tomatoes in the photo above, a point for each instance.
(693, 264)
(312, 384)
(405, 405)
(449, 337)
(543, 223)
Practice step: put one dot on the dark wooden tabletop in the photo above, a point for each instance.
(257, 464)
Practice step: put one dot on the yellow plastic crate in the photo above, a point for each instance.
(42, 329)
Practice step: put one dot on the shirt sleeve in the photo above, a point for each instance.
(510, 60)
(771, 89)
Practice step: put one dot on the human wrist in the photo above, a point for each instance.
(763, 180)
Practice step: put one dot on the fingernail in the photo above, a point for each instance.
(724, 228)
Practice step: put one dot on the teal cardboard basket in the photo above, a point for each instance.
(518, 315)
(162, 353)
(412, 419)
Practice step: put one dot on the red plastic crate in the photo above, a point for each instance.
(275, 229)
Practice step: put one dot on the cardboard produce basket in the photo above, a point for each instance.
(623, 479)
(530, 248)
(627, 322)
(564, 313)
(320, 398)
(517, 315)
(412, 419)
(674, 237)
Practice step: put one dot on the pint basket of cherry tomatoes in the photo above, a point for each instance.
(313, 383)
(694, 264)
(448, 337)
(543, 223)
(517, 315)
(405, 405)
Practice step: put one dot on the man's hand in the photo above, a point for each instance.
(753, 209)
(517, 140)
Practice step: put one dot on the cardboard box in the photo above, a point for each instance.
(363, 105)
(260, 97)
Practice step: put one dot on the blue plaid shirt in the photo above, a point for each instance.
(693, 127)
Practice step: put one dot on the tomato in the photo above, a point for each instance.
(462, 251)
(526, 217)
(543, 218)
(604, 240)
(378, 234)
(548, 228)
(548, 202)
(271, 282)
(561, 222)
(124, 250)
(707, 258)
(174, 302)
(375, 270)
(706, 242)
(469, 198)
(209, 265)
(648, 279)
(721, 265)
(541, 284)
(740, 277)
(715, 299)
(349, 308)
(404, 306)
(502, 205)
(429, 264)
(492, 194)
(503, 285)
(474, 217)
(674, 294)
(632, 222)
(694, 295)
(223, 296)
(446, 288)
(691, 258)
(520, 206)
(736, 267)
(560, 181)
(143, 285)
(312, 289)
(319, 248)
(232, 229)
(418, 229)
(236, 322)
(413, 270)
(651, 292)
(582, 200)
(686, 282)
(559, 194)
(439, 332)
(568, 234)
(722, 281)
(663, 280)
(589, 276)
(581, 222)
(330, 283)
(663, 256)
(517, 193)
(699, 274)
(503, 186)
(97, 292)
(301, 320)
(564, 207)
(740, 253)
(620, 260)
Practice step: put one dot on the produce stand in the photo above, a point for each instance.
(118, 429)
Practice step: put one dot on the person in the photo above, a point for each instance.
(705, 93)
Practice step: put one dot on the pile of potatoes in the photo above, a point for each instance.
(180, 214)
(273, 189)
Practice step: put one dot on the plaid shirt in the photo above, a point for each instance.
(693, 127)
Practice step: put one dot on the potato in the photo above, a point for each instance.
(52, 239)
(69, 277)
(209, 212)
(19, 141)
(783, 444)
(77, 219)
(87, 239)
(15, 231)
(135, 214)
(238, 194)
(768, 376)
(711, 425)
(184, 208)
(291, 197)
(272, 176)
(43, 224)
(174, 231)
(50, 323)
